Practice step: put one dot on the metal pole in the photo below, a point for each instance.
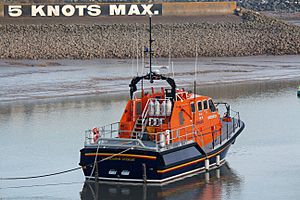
(220, 136)
(96, 172)
(96, 189)
(213, 137)
(144, 191)
(233, 126)
(137, 52)
(111, 129)
(150, 46)
(239, 122)
(227, 129)
(144, 173)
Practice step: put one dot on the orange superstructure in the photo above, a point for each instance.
(155, 112)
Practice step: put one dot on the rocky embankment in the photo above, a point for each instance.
(255, 34)
(274, 5)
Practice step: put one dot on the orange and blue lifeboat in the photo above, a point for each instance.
(163, 134)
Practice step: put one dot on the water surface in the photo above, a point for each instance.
(45, 136)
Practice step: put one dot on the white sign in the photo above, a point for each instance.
(92, 10)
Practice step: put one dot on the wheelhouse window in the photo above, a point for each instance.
(205, 105)
(211, 105)
(199, 106)
(192, 107)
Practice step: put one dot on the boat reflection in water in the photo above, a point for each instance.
(210, 185)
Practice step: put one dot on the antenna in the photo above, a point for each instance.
(143, 60)
(150, 47)
(137, 51)
(169, 40)
(173, 70)
(196, 63)
(132, 68)
(195, 85)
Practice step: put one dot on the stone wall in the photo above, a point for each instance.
(254, 34)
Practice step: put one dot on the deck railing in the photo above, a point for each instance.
(108, 136)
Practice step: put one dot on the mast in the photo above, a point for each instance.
(151, 75)
(195, 85)
(150, 47)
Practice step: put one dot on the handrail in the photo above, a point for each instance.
(202, 140)
(188, 136)
(187, 133)
(122, 140)
(146, 109)
(178, 129)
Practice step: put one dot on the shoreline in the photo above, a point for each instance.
(27, 80)
(214, 89)
(264, 86)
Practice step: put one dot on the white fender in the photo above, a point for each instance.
(169, 107)
(157, 108)
(167, 137)
(162, 139)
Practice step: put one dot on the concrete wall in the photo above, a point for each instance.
(198, 8)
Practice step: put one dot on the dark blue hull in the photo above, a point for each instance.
(192, 187)
(150, 166)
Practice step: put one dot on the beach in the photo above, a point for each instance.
(42, 79)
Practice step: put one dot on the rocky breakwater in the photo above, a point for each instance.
(254, 34)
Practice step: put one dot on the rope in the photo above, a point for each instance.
(40, 176)
(107, 158)
(41, 185)
(65, 171)
(95, 161)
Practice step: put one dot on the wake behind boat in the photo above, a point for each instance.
(164, 134)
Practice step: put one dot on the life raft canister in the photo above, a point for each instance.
(168, 107)
(157, 108)
(151, 108)
(163, 109)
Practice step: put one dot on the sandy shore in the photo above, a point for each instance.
(44, 79)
